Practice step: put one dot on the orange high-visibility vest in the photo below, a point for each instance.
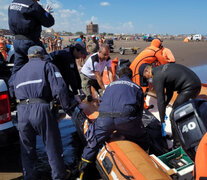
(167, 53)
(151, 55)
(201, 159)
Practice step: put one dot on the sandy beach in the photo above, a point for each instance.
(189, 54)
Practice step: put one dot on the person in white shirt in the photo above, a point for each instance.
(91, 72)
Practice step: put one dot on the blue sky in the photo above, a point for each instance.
(126, 16)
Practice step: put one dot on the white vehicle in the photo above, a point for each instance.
(8, 130)
(195, 37)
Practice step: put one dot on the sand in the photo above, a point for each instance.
(189, 54)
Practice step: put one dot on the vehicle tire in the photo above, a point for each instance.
(122, 51)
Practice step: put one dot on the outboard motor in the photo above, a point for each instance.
(190, 122)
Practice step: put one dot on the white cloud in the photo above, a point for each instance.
(71, 20)
(104, 4)
(127, 27)
(93, 19)
(54, 3)
(4, 4)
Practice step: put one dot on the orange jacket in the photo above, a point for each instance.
(3, 51)
(151, 55)
(167, 53)
(201, 159)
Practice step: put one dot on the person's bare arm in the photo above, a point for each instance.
(99, 79)
(110, 74)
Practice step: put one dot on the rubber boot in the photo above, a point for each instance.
(83, 166)
(68, 174)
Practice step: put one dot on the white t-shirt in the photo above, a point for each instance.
(93, 64)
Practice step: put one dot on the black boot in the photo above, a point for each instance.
(83, 166)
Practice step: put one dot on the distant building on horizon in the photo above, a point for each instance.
(92, 28)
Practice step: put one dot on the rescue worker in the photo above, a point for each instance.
(151, 55)
(65, 60)
(35, 86)
(167, 53)
(121, 110)
(91, 72)
(93, 45)
(171, 77)
(25, 20)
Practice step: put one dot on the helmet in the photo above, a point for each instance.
(156, 43)
(190, 122)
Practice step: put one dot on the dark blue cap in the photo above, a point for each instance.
(36, 50)
(141, 69)
(143, 81)
(81, 47)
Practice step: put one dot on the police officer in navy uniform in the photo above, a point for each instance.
(65, 60)
(25, 20)
(121, 110)
(35, 85)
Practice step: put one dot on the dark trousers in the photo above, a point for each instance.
(37, 119)
(21, 48)
(86, 83)
(99, 133)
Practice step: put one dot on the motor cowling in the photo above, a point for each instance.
(190, 122)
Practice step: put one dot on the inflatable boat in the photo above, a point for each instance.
(122, 159)
(118, 158)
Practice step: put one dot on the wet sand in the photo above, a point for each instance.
(189, 54)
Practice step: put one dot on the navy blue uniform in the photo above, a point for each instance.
(40, 79)
(25, 20)
(124, 100)
(66, 63)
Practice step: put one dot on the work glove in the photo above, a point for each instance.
(163, 125)
(49, 9)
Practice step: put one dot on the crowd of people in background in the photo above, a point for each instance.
(5, 46)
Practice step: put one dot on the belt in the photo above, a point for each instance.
(21, 37)
(116, 114)
(31, 101)
(87, 76)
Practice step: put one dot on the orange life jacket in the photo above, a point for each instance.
(151, 55)
(3, 51)
(105, 77)
(201, 159)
